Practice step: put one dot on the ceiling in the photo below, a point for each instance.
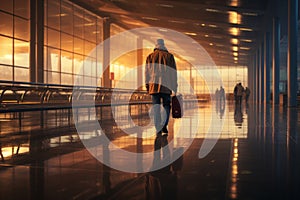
(228, 30)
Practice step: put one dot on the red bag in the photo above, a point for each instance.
(177, 106)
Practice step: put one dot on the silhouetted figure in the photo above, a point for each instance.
(162, 183)
(1, 154)
(161, 80)
(222, 95)
(238, 115)
(247, 94)
(217, 92)
(238, 93)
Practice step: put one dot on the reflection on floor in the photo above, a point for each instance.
(251, 152)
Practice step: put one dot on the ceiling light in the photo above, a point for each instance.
(235, 48)
(192, 34)
(211, 44)
(178, 22)
(246, 29)
(246, 40)
(244, 48)
(212, 10)
(163, 30)
(236, 54)
(202, 24)
(206, 35)
(165, 5)
(234, 31)
(234, 17)
(150, 18)
(235, 58)
(212, 26)
(234, 41)
(250, 14)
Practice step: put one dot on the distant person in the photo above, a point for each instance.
(247, 94)
(238, 93)
(222, 94)
(161, 80)
(217, 92)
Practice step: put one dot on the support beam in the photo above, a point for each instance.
(40, 41)
(140, 62)
(292, 52)
(106, 82)
(262, 76)
(267, 67)
(276, 60)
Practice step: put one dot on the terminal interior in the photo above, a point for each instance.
(76, 121)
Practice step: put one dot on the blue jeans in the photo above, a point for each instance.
(160, 122)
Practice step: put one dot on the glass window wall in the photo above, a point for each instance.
(14, 40)
(71, 34)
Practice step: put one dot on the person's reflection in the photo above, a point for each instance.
(238, 115)
(162, 183)
(220, 108)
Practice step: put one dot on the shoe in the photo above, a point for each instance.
(165, 130)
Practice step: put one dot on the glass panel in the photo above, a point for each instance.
(21, 74)
(66, 17)
(66, 42)
(78, 62)
(53, 78)
(45, 36)
(66, 79)
(78, 46)
(22, 8)
(21, 28)
(6, 50)
(53, 60)
(54, 14)
(66, 62)
(45, 59)
(7, 6)
(94, 66)
(6, 24)
(21, 55)
(53, 38)
(6, 73)
(87, 66)
(90, 28)
(78, 22)
(88, 47)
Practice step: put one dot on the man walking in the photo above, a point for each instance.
(161, 80)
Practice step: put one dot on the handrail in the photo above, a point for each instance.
(15, 93)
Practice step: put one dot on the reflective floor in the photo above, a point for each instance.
(214, 152)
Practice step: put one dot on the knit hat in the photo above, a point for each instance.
(160, 44)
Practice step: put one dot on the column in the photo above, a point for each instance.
(267, 66)
(40, 41)
(32, 65)
(292, 52)
(257, 75)
(253, 89)
(262, 76)
(106, 82)
(276, 60)
(140, 62)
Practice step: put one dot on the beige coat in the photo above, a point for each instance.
(160, 72)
